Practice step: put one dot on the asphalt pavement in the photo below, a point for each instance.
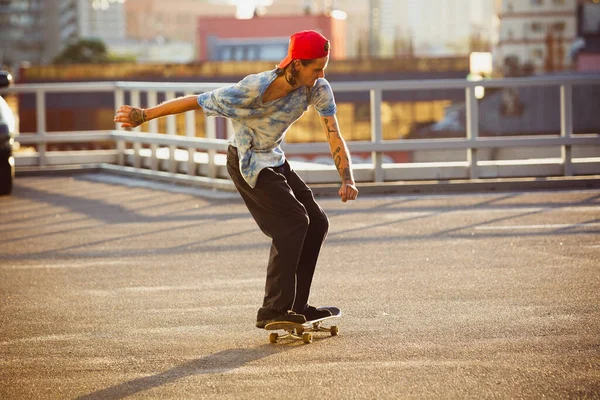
(112, 287)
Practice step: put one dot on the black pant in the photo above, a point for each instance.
(286, 211)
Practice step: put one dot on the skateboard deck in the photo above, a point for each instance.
(303, 331)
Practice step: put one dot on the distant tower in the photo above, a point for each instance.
(375, 29)
(41, 29)
(37, 31)
(103, 21)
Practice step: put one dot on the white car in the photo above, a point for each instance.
(7, 140)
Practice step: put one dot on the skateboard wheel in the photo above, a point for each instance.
(307, 337)
(273, 337)
(334, 330)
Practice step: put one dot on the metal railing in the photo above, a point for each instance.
(181, 155)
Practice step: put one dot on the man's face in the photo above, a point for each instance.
(308, 75)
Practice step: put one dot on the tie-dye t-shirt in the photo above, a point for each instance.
(260, 127)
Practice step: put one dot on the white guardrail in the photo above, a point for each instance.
(181, 156)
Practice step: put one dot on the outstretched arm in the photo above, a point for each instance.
(341, 157)
(130, 117)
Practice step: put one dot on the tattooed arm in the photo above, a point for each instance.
(341, 157)
(130, 117)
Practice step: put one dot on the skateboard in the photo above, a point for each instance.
(303, 331)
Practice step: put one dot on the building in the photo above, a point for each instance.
(387, 23)
(263, 38)
(101, 19)
(396, 28)
(534, 36)
(354, 12)
(35, 31)
(429, 28)
(173, 20)
(586, 52)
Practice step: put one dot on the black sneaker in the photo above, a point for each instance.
(267, 315)
(312, 313)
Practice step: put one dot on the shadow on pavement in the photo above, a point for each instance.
(128, 211)
(217, 363)
(112, 213)
(436, 211)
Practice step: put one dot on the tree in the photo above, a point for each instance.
(85, 51)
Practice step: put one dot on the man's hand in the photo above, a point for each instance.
(348, 191)
(130, 117)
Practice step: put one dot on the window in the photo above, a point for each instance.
(273, 52)
(252, 53)
(511, 60)
(537, 2)
(559, 26)
(236, 50)
(537, 27)
(225, 54)
(237, 53)
(537, 54)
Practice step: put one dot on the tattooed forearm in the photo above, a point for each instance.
(342, 167)
(331, 129)
(334, 128)
(347, 175)
(339, 150)
(337, 158)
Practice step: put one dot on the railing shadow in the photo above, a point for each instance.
(218, 363)
(106, 213)
(114, 213)
(111, 213)
(436, 211)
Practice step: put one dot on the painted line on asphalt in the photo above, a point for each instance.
(500, 210)
(67, 266)
(47, 338)
(201, 309)
(352, 365)
(529, 227)
(202, 286)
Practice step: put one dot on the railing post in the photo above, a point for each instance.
(376, 134)
(172, 131)
(137, 146)
(190, 131)
(153, 128)
(40, 103)
(472, 117)
(211, 133)
(566, 126)
(119, 101)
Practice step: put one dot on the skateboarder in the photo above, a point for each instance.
(262, 107)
